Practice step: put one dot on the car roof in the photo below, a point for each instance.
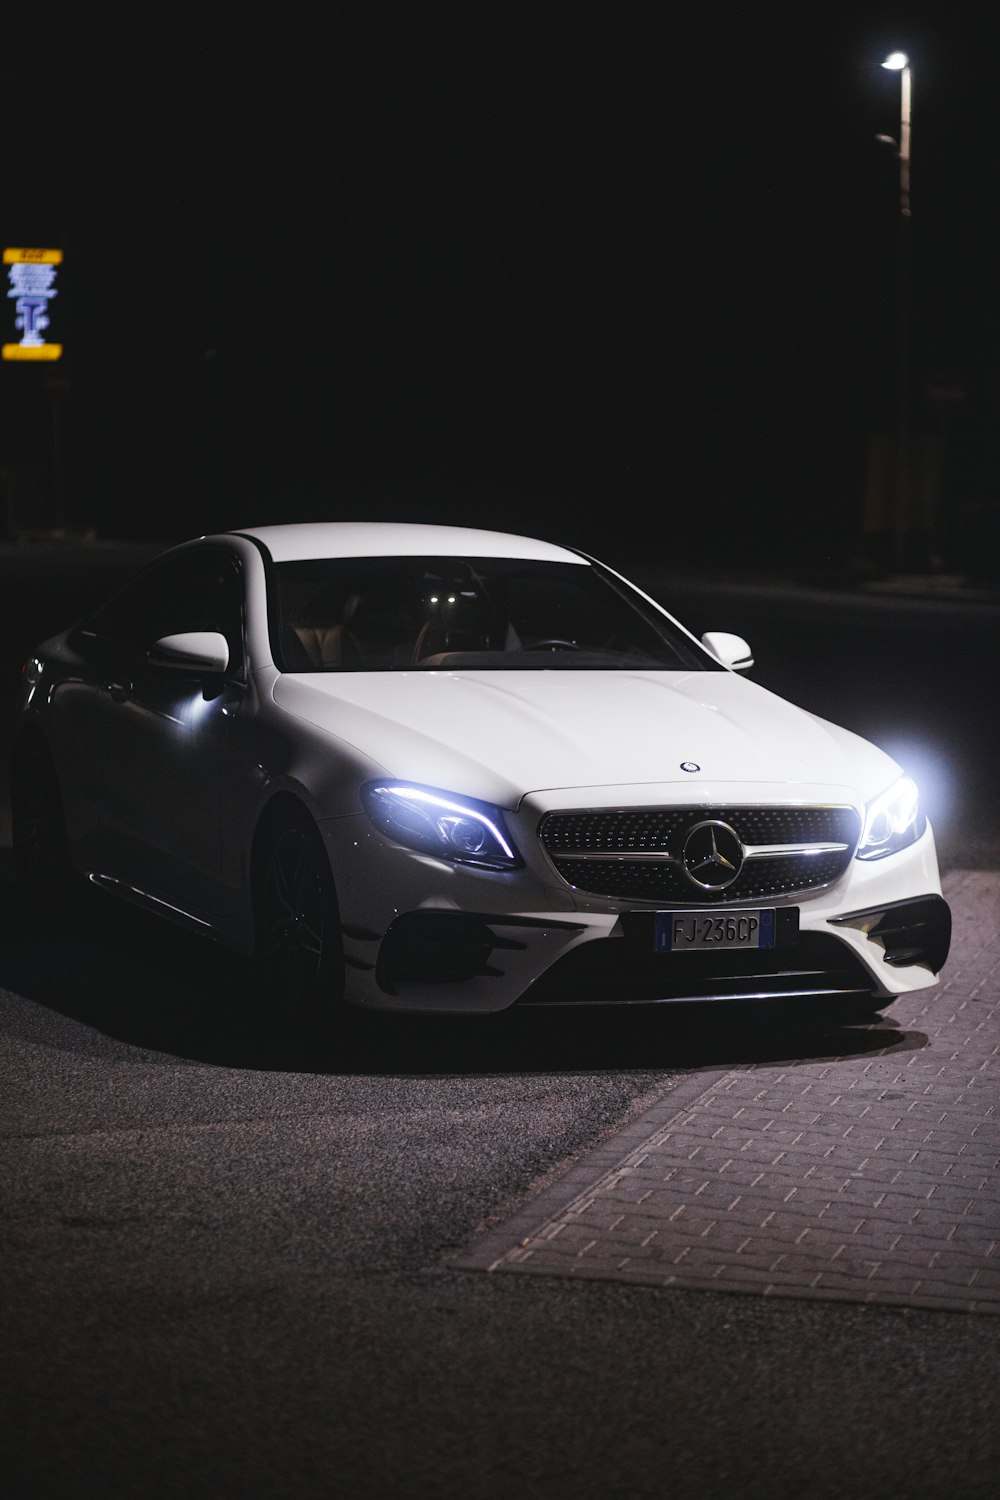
(299, 541)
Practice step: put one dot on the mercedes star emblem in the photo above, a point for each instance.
(713, 855)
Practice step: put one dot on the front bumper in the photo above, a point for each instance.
(424, 935)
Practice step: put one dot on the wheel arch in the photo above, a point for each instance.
(29, 750)
(286, 812)
(281, 809)
(29, 739)
(32, 764)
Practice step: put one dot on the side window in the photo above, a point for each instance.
(196, 591)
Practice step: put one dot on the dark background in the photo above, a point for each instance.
(621, 274)
(577, 269)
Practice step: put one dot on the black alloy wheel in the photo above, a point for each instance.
(38, 826)
(300, 955)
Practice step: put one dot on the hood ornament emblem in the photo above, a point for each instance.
(690, 765)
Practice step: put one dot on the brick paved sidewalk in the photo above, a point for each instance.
(869, 1178)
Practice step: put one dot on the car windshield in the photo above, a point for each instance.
(379, 614)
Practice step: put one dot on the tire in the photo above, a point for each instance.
(298, 944)
(42, 863)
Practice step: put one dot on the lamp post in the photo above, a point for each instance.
(898, 62)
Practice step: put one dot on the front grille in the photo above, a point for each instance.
(643, 851)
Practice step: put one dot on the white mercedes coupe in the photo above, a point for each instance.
(427, 768)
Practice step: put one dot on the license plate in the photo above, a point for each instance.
(710, 932)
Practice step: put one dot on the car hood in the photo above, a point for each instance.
(502, 735)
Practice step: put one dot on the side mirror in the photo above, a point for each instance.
(195, 653)
(731, 650)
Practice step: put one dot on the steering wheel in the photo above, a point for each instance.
(551, 643)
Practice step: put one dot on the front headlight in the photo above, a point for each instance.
(436, 822)
(892, 820)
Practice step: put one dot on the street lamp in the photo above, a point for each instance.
(898, 62)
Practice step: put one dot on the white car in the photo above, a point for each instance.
(436, 769)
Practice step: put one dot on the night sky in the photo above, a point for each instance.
(566, 268)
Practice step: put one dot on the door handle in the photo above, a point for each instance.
(118, 691)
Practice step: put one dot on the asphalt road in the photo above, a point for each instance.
(228, 1271)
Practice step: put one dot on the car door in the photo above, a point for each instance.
(157, 740)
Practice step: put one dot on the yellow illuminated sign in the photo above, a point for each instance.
(31, 285)
(32, 257)
(25, 351)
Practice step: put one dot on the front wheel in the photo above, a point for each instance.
(38, 826)
(299, 949)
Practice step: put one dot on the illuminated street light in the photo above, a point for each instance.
(898, 62)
